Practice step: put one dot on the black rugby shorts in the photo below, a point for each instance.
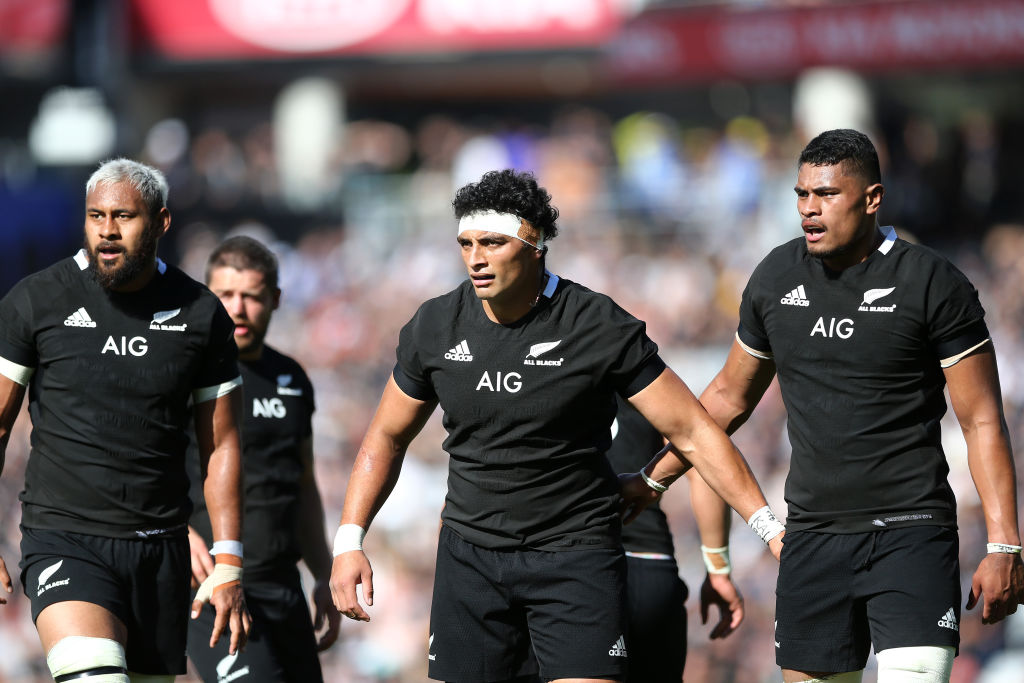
(657, 621)
(281, 644)
(489, 606)
(144, 582)
(838, 594)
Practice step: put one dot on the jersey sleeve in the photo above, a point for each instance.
(956, 318)
(409, 373)
(637, 362)
(18, 355)
(751, 333)
(219, 373)
(310, 400)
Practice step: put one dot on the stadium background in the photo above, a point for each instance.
(666, 131)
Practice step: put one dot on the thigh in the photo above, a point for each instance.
(576, 610)
(821, 623)
(476, 634)
(657, 621)
(914, 588)
(257, 663)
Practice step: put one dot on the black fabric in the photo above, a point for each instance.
(489, 606)
(657, 621)
(110, 394)
(277, 415)
(857, 354)
(838, 594)
(634, 443)
(143, 582)
(528, 407)
(281, 644)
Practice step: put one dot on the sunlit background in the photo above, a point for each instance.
(667, 132)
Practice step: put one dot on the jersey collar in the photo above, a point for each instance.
(82, 259)
(890, 238)
(551, 286)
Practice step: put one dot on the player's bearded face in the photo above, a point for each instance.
(250, 302)
(112, 274)
(121, 234)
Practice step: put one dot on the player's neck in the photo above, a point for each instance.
(252, 354)
(139, 281)
(516, 302)
(858, 253)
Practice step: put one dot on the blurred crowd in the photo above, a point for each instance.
(666, 218)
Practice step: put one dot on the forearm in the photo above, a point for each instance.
(710, 512)
(222, 491)
(373, 477)
(991, 462)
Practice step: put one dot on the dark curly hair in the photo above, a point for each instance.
(509, 191)
(844, 145)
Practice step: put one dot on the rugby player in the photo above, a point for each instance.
(525, 366)
(115, 345)
(284, 519)
(864, 331)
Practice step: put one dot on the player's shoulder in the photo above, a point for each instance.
(281, 362)
(441, 310)
(785, 255)
(67, 272)
(573, 295)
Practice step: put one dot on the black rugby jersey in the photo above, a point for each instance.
(277, 417)
(634, 443)
(111, 376)
(528, 408)
(859, 355)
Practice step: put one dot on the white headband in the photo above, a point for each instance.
(504, 223)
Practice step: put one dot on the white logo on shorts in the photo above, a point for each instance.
(45, 575)
(430, 644)
(618, 648)
(949, 620)
(224, 666)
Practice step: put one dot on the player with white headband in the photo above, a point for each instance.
(525, 366)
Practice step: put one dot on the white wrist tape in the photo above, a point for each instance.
(349, 537)
(660, 488)
(1003, 548)
(222, 573)
(765, 524)
(716, 560)
(226, 548)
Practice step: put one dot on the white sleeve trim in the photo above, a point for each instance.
(953, 360)
(19, 374)
(763, 355)
(204, 394)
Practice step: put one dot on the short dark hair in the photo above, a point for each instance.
(244, 253)
(844, 145)
(509, 191)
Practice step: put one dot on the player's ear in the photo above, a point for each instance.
(276, 300)
(873, 197)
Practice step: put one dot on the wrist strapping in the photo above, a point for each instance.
(660, 488)
(226, 548)
(349, 537)
(765, 524)
(716, 560)
(1003, 548)
(222, 574)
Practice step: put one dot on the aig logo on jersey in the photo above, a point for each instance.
(538, 349)
(268, 407)
(873, 295)
(136, 346)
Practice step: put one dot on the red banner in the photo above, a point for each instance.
(706, 44)
(232, 29)
(30, 26)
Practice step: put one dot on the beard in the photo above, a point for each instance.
(132, 265)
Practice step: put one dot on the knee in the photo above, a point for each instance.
(931, 664)
(87, 660)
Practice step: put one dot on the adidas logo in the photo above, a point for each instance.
(460, 352)
(949, 620)
(798, 297)
(618, 648)
(79, 318)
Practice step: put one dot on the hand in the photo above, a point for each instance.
(1000, 579)
(202, 561)
(719, 590)
(229, 603)
(325, 613)
(635, 496)
(349, 570)
(5, 581)
(775, 545)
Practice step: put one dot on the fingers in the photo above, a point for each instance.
(351, 569)
(219, 622)
(5, 581)
(197, 607)
(367, 579)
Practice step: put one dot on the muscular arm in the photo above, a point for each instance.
(220, 462)
(737, 388)
(11, 396)
(313, 546)
(399, 418)
(973, 385)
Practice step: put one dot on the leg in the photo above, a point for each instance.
(790, 676)
(84, 642)
(915, 664)
(656, 598)
(146, 678)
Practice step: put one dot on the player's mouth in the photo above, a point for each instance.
(481, 280)
(108, 253)
(241, 330)
(812, 231)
